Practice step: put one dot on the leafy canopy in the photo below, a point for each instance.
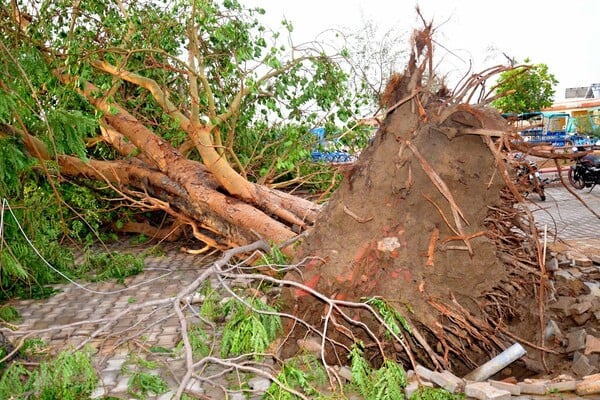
(528, 88)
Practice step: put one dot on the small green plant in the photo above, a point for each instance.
(385, 383)
(141, 382)
(70, 376)
(9, 314)
(112, 265)
(304, 373)
(211, 306)
(428, 393)
(390, 316)
(32, 347)
(198, 341)
(275, 257)
(249, 331)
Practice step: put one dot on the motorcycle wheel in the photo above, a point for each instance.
(542, 195)
(575, 178)
(538, 187)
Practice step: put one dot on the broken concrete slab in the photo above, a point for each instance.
(580, 308)
(533, 387)
(512, 388)
(592, 345)
(423, 373)
(582, 319)
(485, 391)
(552, 265)
(589, 385)
(582, 366)
(448, 381)
(563, 386)
(576, 340)
(563, 304)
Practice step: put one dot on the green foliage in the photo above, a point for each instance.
(198, 341)
(275, 257)
(112, 265)
(69, 128)
(141, 381)
(32, 347)
(387, 382)
(361, 370)
(9, 313)
(427, 393)
(249, 331)
(390, 316)
(13, 166)
(142, 384)
(211, 306)
(533, 88)
(304, 373)
(32, 229)
(70, 376)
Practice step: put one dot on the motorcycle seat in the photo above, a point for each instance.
(592, 160)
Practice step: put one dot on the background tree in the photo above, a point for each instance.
(530, 88)
(373, 57)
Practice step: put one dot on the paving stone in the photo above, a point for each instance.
(589, 385)
(259, 384)
(166, 396)
(552, 265)
(564, 386)
(532, 388)
(122, 384)
(448, 381)
(423, 372)
(580, 308)
(115, 363)
(576, 340)
(512, 388)
(485, 391)
(582, 319)
(582, 366)
(563, 304)
(592, 345)
(109, 378)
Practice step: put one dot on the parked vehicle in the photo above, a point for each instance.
(585, 123)
(585, 172)
(330, 151)
(543, 127)
(528, 177)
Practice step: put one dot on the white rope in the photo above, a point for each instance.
(7, 205)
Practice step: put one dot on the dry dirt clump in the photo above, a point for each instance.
(426, 220)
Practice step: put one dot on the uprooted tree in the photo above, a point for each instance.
(425, 223)
(423, 228)
(169, 107)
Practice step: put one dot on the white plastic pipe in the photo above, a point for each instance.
(503, 359)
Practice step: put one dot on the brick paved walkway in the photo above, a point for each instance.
(569, 225)
(151, 327)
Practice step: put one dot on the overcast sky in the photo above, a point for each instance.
(563, 37)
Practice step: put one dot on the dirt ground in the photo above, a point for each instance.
(389, 231)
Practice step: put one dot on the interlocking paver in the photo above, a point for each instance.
(567, 222)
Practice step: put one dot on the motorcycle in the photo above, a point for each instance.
(528, 177)
(585, 172)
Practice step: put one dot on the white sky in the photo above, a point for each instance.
(563, 36)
